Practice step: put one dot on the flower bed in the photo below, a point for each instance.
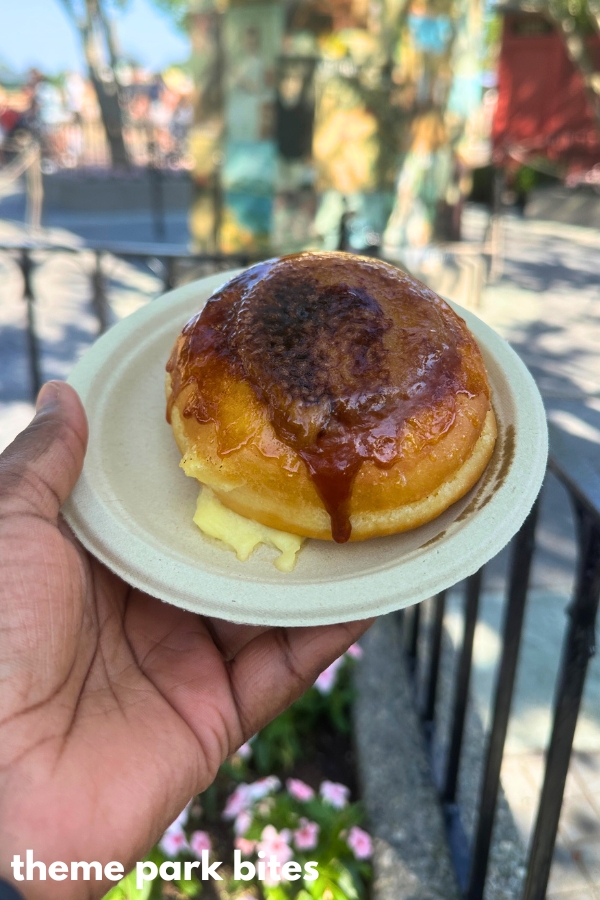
(281, 817)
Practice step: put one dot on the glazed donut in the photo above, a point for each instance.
(331, 396)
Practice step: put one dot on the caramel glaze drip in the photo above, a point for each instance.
(340, 371)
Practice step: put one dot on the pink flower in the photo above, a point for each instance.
(236, 802)
(173, 840)
(276, 843)
(355, 651)
(245, 751)
(242, 822)
(299, 790)
(245, 795)
(306, 837)
(200, 841)
(263, 787)
(335, 794)
(360, 843)
(326, 680)
(245, 846)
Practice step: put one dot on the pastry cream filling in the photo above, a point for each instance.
(241, 534)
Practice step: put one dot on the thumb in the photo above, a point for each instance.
(39, 469)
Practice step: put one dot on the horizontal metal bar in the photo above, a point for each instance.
(579, 473)
(135, 250)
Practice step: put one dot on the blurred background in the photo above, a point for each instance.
(267, 127)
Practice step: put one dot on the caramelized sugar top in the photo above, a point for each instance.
(343, 352)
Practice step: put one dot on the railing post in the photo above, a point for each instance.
(578, 648)
(169, 281)
(32, 338)
(457, 839)
(513, 626)
(434, 659)
(99, 301)
(461, 694)
(344, 230)
(155, 179)
(412, 642)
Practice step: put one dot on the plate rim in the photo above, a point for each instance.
(91, 530)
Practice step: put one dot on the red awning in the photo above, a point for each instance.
(542, 104)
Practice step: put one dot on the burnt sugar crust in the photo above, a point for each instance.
(332, 396)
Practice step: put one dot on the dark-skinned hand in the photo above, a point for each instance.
(115, 708)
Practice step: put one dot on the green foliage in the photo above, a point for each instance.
(526, 179)
(191, 888)
(126, 890)
(340, 875)
(278, 747)
(177, 10)
(578, 10)
(335, 881)
(492, 38)
(152, 890)
(291, 736)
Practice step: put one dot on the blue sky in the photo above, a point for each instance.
(38, 33)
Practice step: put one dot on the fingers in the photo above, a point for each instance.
(39, 469)
(226, 703)
(276, 667)
(230, 638)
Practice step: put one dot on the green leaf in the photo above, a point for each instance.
(347, 883)
(126, 889)
(189, 888)
(277, 892)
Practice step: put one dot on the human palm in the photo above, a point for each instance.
(115, 708)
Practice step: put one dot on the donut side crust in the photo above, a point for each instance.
(263, 479)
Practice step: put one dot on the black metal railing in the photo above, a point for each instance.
(471, 858)
(165, 259)
(583, 485)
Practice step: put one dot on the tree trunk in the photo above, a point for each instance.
(112, 119)
(107, 92)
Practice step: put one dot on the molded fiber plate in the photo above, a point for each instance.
(132, 506)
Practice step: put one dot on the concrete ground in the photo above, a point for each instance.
(547, 304)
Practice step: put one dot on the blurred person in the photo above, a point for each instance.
(53, 116)
(75, 95)
(9, 123)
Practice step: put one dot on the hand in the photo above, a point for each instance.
(115, 708)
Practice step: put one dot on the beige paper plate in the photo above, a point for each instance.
(133, 506)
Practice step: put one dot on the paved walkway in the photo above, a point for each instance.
(547, 305)
(65, 322)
